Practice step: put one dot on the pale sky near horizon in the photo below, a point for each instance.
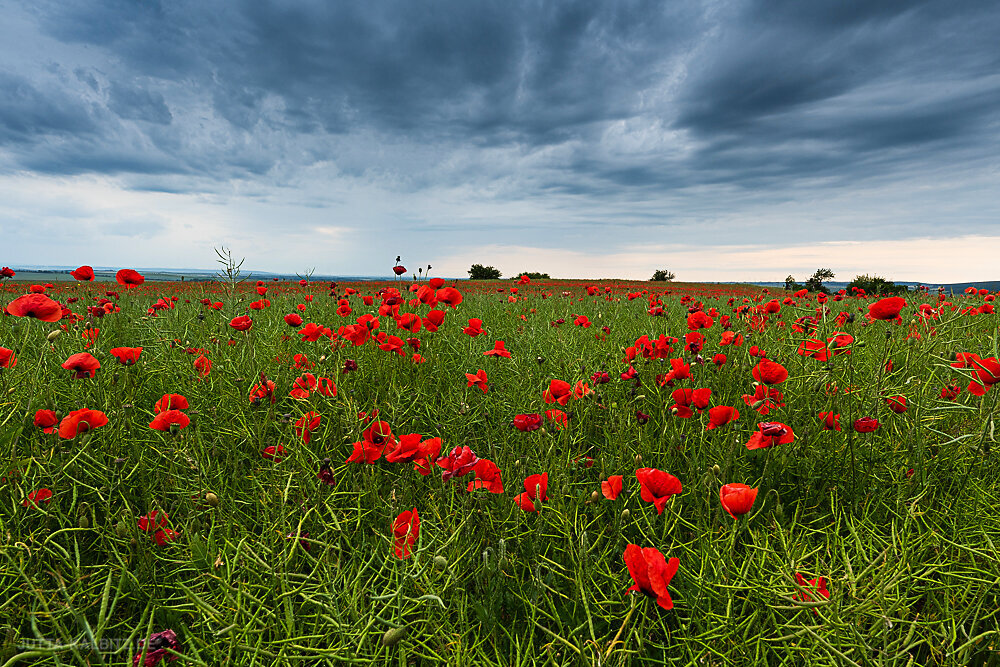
(723, 140)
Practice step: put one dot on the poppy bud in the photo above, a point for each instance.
(212, 499)
(393, 636)
(717, 471)
(121, 529)
(595, 496)
(175, 429)
(626, 515)
(440, 562)
(53, 335)
(638, 460)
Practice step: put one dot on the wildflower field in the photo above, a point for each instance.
(495, 473)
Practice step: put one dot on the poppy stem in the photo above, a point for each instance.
(628, 617)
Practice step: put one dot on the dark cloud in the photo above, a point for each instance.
(136, 103)
(626, 100)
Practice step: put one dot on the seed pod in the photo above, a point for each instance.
(84, 521)
(121, 530)
(53, 335)
(212, 499)
(393, 636)
(440, 562)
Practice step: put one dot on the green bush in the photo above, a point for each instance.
(876, 285)
(480, 272)
(662, 275)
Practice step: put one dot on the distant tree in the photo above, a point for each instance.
(662, 275)
(815, 282)
(480, 272)
(534, 275)
(790, 283)
(876, 285)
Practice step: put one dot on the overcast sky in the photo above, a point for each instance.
(722, 140)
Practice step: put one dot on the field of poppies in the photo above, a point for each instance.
(508, 472)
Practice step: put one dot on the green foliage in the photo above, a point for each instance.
(876, 285)
(662, 275)
(910, 560)
(534, 275)
(815, 282)
(480, 272)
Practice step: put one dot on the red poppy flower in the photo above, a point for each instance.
(818, 584)
(203, 365)
(499, 350)
(535, 488)
(769, 372)
(737, 499)
(312, 332)
(986, 373)
(769, 434)
(487, 477)
(7, 358)
(887, 309)
(405, 531)
(699, 320)
(152, 521)
(263, 391)
(764, 399)
(721, 415)
(719, 359)
(651, 573)
(612, 487)
(459, 462)
(36, 497)
(7, 272)
(82, 364)
(168, 418)
(685, 398)
(375, 439)
(306, 424)
(557, 417)
(170, 402)
(126, 356)
(656, 486)
(46, 420)
(38, 306)
(81, 421)
(449, 295)
(293, 319)
(128, 278)
(866, 424)
(478, 379)
(630, 374)
(897, 404)
(433, 320)
(241, 323)
(530, 422)
(831, 421)
(83, 273)
(474, 328)
(559, 391)
(274, 453)
(950, 392)
(399, 269)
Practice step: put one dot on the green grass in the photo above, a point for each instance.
(911, 561)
